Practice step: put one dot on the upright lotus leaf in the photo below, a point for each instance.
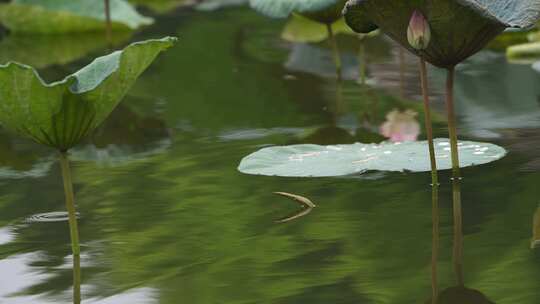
(60, 114)
(459, 28)
(324, 11)
(67, 16)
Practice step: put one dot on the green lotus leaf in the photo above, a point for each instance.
(65, 16)
(162, 6)
(60, 114)
(325, 11)
(524, 51)
(340, 160)
(301, 29)
(534, 37)
(214, 5)
(459, 28)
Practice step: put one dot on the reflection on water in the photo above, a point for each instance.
(177, 223)
(457, 294)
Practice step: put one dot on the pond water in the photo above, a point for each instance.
(165, 217)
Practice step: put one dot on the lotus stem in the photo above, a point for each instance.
(73, 229)
(434, 182)
(362, 61)
(456, 179)
(458, 232)
(428, 124)
(76, 279)
(452, 122)
(70, 203)
(108, 25)
(335, 49)
(401, 72)
(435, 242)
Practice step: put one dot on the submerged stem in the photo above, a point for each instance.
(335, 49)
(434, 182)
(458, 232)
(401, 72)
(456, 177)
(70, 203)
(427, 115)
(452, 122)
(76, 279)
(73, 229)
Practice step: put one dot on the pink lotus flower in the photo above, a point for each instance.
(418, 32)
(401, 126)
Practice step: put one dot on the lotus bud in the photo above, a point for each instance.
(419, 32)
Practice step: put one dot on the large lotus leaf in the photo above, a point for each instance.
(339, 160)
(62, 113)
(63, 16)
(283, 8)
(459, 28)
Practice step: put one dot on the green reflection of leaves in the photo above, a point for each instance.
(41, 51)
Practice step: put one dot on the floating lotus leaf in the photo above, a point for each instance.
(60, 114)
(324, 11)
(339, 160)
(63, 16)
(459, 28)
